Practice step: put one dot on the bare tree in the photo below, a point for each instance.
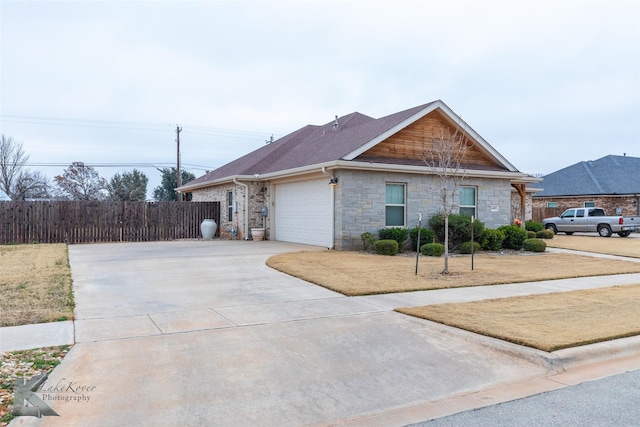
(82, 182)
(16, 181)
(446, 156)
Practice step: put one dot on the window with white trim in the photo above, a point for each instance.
(589, 204)
(552, 204)
(395, 205)
(468, 201)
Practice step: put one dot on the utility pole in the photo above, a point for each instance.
(178, 180)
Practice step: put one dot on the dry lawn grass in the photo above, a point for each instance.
(358, 273)
(35, 284)
(614, 245)
(547, 322)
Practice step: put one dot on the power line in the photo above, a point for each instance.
(118, 165)
(198, 129)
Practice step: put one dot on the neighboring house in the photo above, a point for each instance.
(326, 185)
(612, 183)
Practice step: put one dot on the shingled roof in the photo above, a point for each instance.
(318, 145)
(610, 175)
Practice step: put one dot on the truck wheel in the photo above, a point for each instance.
(568, 233)
(604, 231)
(625, 233)
(552, 227)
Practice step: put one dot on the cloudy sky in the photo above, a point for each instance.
(547, 83)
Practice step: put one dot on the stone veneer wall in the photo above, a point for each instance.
(515, 206)
(360, 202)
(257, 200)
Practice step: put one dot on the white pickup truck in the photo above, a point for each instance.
(590, 220)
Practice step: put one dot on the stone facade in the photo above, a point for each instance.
(232, 222)
(360, 202)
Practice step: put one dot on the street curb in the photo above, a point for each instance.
(598, 352)
(554, 362)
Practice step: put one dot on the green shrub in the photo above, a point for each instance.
(459, 229)
(545, 234)
(514, 236)
(368, 239)
(534, 245)
(398, 234)
(531, 234)
(386, 247)
(533, 226)
(492, 239)
(426, 236)
(432, 249)
(465, 247)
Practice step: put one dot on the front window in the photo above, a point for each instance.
(230, 206)
(468, 201)
(395, 205)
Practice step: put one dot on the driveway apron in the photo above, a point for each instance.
(204, 333)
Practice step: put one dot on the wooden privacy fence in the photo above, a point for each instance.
(84, 222)
(540, 213)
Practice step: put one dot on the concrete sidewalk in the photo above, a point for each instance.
(232, 342)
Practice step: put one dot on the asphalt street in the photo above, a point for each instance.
(611, 401)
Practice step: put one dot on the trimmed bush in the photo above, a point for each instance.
(545, 234)
(465, 248)
(534, 245)
(514, 236)
(398, 234)
(386, 247)
(531, 234)
(426, 236)
(432, 249)
(533, 226)
(459, 229)
(492, 239)
(368, 239)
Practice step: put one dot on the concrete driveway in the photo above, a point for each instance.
(203, 333)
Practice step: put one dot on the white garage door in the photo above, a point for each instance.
(303, 213)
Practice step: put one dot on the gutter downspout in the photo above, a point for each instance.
(333, 214)
(246, 207)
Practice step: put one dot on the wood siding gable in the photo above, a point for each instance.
(407, 145)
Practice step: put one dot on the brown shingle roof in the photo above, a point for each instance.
(310, 145)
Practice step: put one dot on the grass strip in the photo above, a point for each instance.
(359, 273)
(547, 322)
(35, 284)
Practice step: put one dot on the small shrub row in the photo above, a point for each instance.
(492, 239)
(534, 245)
(386, 247)
(545, 234)
(426, 236)
(459, 229)
(368, 239)
(507, 237)
(465, 247)
(432, 249)
(514, 236)
(534, 226)
(398, 234)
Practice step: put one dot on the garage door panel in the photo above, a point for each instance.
(303, 213)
